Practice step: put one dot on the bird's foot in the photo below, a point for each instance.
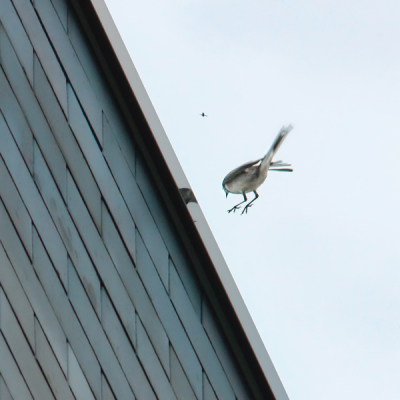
(233, 209)
(246, 208)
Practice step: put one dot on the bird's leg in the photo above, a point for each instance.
(236, 207)
(250, 204)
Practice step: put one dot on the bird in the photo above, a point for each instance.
(250, 176)
(203, 115)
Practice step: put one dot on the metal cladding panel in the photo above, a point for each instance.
(208, 390)
(176, 252)
(33, 290)
(115, 156)
(179, 381)
(22, 352)
(14, 28)
(97, 78)
(135, 289)
(136, 204)
(124, 350)
(4, 392)
(106, 391)
(199, 339)
(77, 379)
(16, 208)
(221, 349)
(48, 362)
(17, 297)
(70, 323)
(101, 173)
(97, 337)
(153, 369)
(66, 141)
(31, 198)
(65, 226)
(101, 258)
(11, 374)
(30, 107)
(61, 7)
(101, 297)
(169, 318)
(70, 63)
(42, 48)
(16, 120)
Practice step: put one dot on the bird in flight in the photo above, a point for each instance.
(250, 176)
(203, 115)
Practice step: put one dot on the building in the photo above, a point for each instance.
(111, 284)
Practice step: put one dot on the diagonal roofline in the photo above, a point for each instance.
(189, 220)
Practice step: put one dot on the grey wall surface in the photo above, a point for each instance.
(97, 297)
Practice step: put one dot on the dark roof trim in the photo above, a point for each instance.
(168, 175)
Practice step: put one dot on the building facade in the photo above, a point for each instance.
(111, 285)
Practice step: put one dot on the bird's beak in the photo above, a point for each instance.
(227, 194)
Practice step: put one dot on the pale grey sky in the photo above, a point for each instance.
(317, 259)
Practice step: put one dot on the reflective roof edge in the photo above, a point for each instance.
(102, 30)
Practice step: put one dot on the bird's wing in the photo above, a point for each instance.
(281, 169)
(233, 174)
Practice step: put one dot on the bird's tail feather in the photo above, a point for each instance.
(279, 164)
(275, 146)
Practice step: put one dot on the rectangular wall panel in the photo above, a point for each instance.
(22, 353)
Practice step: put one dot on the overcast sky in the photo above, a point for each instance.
(317, 258)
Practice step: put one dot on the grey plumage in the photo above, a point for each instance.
(250, 176)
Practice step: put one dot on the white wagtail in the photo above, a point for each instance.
(249, 177)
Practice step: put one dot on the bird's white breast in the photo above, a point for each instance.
(245, 182)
